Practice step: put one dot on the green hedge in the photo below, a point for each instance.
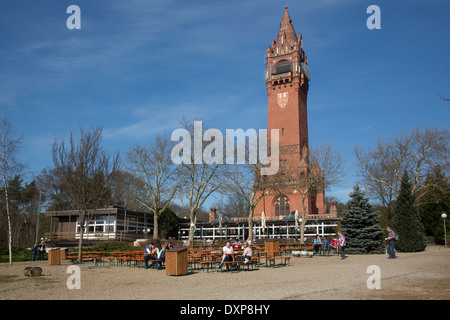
(19, 254)
(112, 246)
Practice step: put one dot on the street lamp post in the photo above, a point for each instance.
(444, 216)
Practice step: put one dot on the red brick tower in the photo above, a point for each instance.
(287, 82)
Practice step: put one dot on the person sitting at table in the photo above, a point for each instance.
(335, 244)
(168, 246)
(247, 253)
(160, 255)
(236, 244)
(147, 254)
(227, 255)
(317, 244)
(326, 244)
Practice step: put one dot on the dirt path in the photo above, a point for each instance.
(422, 276)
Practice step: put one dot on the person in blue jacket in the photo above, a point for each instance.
(147, 254)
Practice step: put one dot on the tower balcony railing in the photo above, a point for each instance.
(279, 218)
(72, 236)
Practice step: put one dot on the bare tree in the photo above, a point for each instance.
(203, 176)
(86, 171)
(128, 191)
(246, 178)
(247, 182)
(9, 148)
(160, 177)
(55, 192)
(417, 152)
(322, 167)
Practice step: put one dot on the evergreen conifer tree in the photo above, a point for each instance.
(407, 222)
(435, 200)
(360, 225)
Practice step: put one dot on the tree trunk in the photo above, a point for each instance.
(302, 231)
(7, 213)
(302, 227)
(80, 241)
(155, 226)
(250, 223)
(191, 233)
(9, 226)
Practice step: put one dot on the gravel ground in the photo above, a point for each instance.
(413, 276)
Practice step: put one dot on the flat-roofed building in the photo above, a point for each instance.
(111, 223)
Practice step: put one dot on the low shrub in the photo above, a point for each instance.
(18, 254)
(112, 246)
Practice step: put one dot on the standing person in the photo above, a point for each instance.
(41, 250)
(317, 244)
(227, 255)
(34, 249)
(147, 254)
(391, 243)
(342, 244)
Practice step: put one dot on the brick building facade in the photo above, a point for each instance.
(287, 82)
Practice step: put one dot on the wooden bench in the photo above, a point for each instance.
(93, 257)
(252, 262)
(194, 260)
(109, 259)
(237, 263)
(209, 264)
(325, 251)
(73, 256)
(140, 261)
(273, 259)
(117, 257)
(289, 249)
(122, 259)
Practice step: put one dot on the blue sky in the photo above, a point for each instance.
(136, 67)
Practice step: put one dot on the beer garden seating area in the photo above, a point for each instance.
(203, 257)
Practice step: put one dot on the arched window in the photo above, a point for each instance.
(282, 207)
(282, 66)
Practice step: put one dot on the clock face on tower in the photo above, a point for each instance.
(282, 99)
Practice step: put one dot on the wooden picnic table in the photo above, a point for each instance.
(271, 256)
(94, 255)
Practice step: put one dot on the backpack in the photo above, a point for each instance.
(162, 255)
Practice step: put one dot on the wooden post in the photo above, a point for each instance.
(54, 257)
(176, 262)
(63, 254)
(272, 245)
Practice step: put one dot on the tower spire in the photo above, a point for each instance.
(286, 32)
